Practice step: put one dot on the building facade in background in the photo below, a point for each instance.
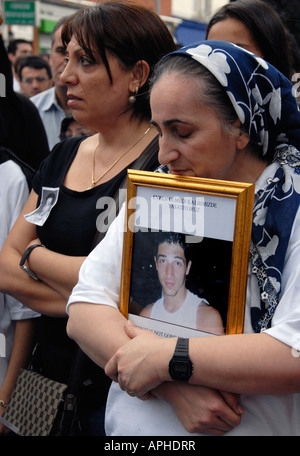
(191, 15)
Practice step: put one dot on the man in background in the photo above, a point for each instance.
(16, 49)
(34, 75)
(52, 103)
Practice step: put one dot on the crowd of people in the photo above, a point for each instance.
(119, 93)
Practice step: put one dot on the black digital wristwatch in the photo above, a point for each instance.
(180, 366)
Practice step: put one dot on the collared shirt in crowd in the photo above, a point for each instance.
(51, 114)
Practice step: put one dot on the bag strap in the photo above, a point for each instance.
(68, 424)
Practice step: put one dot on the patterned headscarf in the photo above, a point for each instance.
(265, 103)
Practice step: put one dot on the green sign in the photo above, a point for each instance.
(19, 13)
(47, 26)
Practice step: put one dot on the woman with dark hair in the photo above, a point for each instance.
(256, 26)
(104, 32)
(111, 49)
(221, 113)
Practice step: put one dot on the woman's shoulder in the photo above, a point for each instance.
(65, 149)
(70, 143)
(54, 167)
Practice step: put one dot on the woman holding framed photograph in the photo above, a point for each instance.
(221, 113)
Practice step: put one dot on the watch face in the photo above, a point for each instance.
(180, 369)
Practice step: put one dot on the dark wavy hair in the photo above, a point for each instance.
(171, 237)
(266, 28)
(33, 61)
(128, 31)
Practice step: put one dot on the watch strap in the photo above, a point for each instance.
(182, 347)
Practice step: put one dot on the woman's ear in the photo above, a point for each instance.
(242, 138)
(140, 74)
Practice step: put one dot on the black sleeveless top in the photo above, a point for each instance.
(70, 230)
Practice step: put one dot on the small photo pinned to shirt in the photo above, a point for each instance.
(48, 201)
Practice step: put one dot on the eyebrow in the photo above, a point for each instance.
(175, 257)
(77, 51)
(169, 122)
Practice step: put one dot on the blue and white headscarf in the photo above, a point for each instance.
(265, 103)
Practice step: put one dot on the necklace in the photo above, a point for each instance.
(95, 181)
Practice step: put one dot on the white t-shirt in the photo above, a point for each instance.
(264, 414)
(13, 195)
(186, 313)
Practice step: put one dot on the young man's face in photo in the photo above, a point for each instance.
(171, 268)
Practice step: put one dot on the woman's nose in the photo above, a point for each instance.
(64, 75)
(167, 151)
(67, 75)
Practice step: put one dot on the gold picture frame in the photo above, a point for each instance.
(215, 218)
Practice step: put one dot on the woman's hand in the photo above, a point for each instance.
(141, 364)
(141, 368)
(200, 409)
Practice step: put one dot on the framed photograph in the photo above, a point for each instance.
(185, 254)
